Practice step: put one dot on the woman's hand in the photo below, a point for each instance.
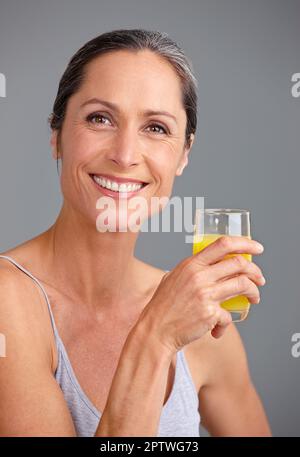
(186, 304)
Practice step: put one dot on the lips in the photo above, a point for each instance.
(117, 187)
(119, 179)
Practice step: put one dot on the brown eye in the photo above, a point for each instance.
(96, 118)
(159, 127)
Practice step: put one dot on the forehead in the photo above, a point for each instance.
(133, 78)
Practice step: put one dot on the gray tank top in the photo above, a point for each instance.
(179, 416)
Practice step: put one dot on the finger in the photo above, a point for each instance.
(239, 285)
(233, 266)
(227, 245)
(225, 319)
(218, 331)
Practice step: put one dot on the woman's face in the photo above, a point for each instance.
(125, 140)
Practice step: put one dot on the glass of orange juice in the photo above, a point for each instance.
(211, 224)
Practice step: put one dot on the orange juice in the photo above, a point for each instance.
(235, 304)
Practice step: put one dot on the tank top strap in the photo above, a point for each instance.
(41, 287)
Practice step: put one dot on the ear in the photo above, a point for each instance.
(54, 142)
(185, 156)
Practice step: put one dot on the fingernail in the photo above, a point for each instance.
(263, 279)
(260, 247)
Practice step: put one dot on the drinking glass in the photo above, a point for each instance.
(209, 225)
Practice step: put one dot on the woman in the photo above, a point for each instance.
(92, 332)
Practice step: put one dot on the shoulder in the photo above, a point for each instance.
(149, 276)
(13, 284)
(22, 311)
(212, 358)
(147, 268)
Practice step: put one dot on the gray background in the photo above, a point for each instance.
(245, 155)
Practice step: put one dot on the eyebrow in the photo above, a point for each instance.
(115, 107)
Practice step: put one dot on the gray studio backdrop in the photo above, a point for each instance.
(246, 153)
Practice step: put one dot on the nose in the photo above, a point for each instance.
(125, 151)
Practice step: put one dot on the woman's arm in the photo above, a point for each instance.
(138, 388)
(31, 401)
(184, 307)
(228, 402)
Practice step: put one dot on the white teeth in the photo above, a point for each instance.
(114, 186)
(132, 187)
(95, 178)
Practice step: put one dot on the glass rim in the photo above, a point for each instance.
(223, 210)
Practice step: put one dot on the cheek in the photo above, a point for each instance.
(163, 166)
(164, 181)
(78, 142)
(77, 155)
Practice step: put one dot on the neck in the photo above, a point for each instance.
(97, 268)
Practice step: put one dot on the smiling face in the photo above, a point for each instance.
(111, 130)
